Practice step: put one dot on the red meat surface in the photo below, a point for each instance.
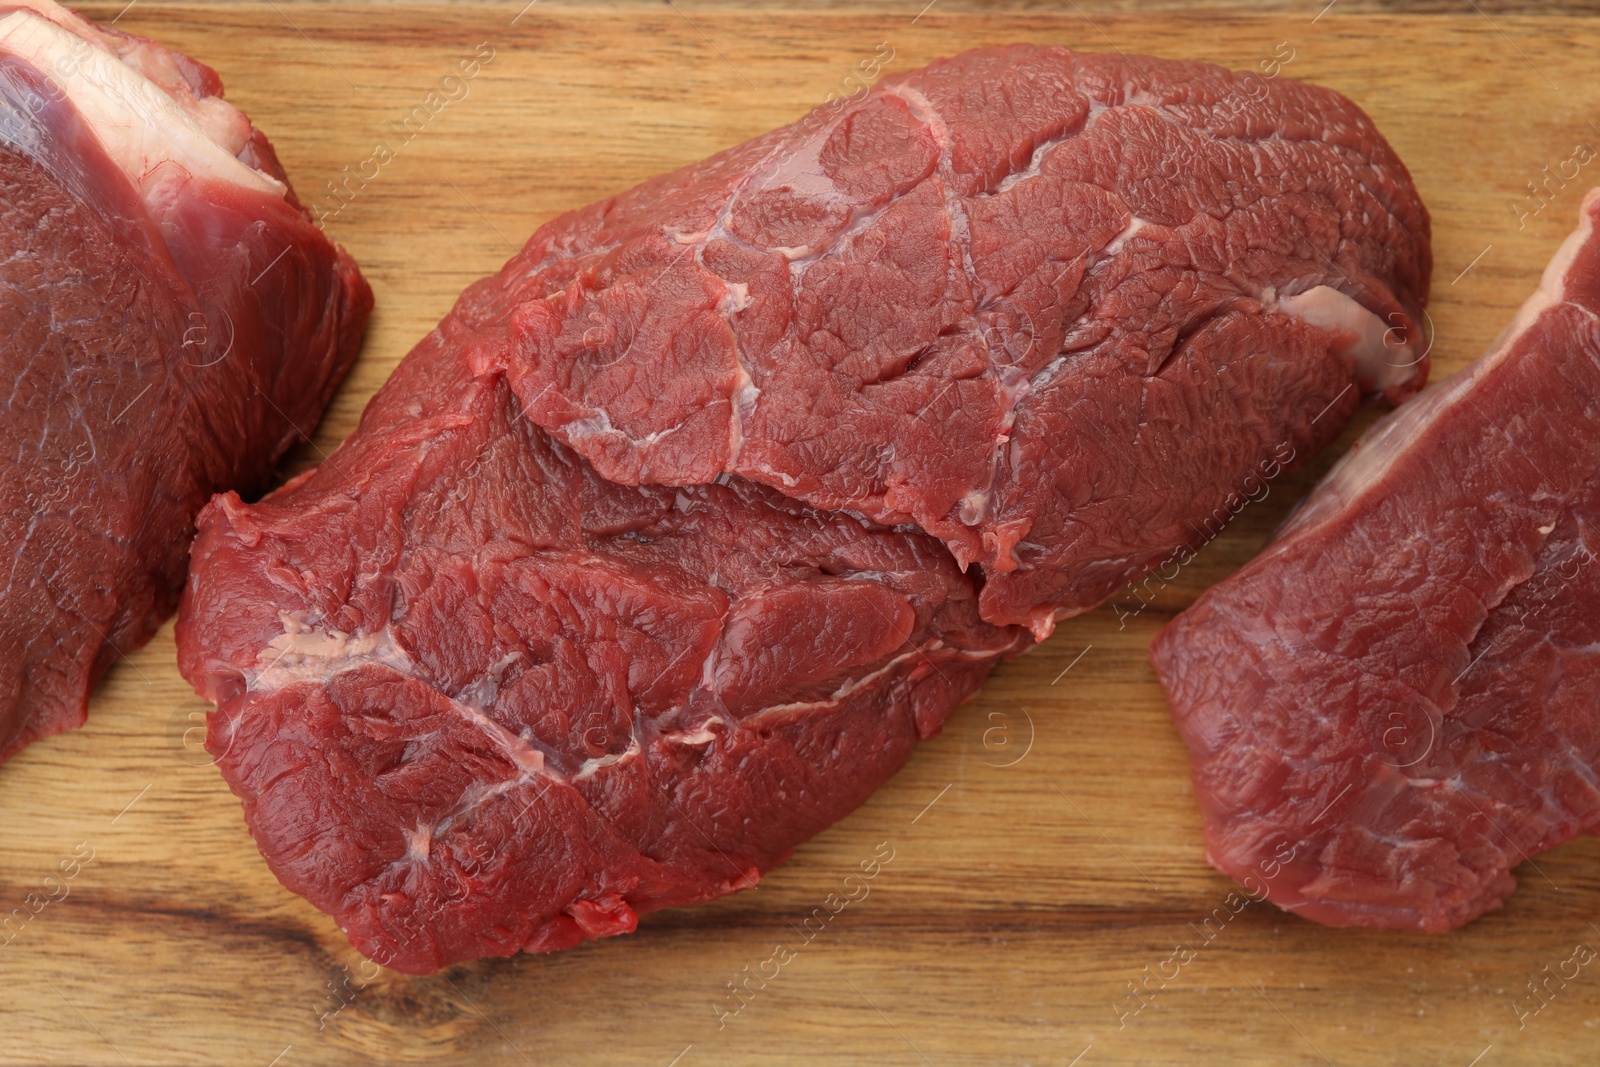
(1049, 307)
(170, 322)
(477, 699)
(1396, 702)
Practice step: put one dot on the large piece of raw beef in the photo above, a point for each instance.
(170, 322)
(659, 554)
(1399, 700)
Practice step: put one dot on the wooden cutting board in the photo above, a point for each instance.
(1046, 849)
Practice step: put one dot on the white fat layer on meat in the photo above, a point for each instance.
(736, 297)
(800, 169)
(418, 842)
(706, 731)
(745, 393)
(599, 425)
(976, 502)
(923, 111)
(222, 121)
(1364, 466)
(305, 652)
(590, 766)
(1379, 363)
(832, 699)
(789, 481)
(142, 128)
(703, 734)
(1032, 170)
(1135, 224)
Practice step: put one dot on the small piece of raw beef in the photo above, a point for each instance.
(619, 593)
(170, 322)
(1053, 308)
(1399, 700)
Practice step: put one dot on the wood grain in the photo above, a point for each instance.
(1046, 847)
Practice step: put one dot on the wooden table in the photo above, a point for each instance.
(1046, 847)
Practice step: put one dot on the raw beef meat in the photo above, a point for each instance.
(170, 321)
(478, 700)
(639, 572)
(1399, 700)
(1051, 308)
